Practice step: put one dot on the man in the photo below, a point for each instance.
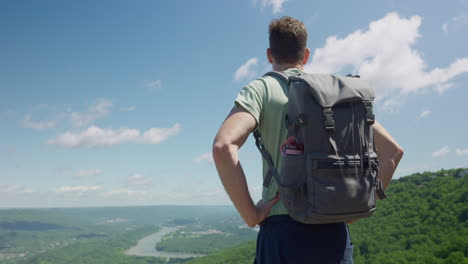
(261, 105)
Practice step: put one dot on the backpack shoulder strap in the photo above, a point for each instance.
(272, 172)
(278, 74)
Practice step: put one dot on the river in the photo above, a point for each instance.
(147, 246)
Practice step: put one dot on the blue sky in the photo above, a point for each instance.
(117, 102)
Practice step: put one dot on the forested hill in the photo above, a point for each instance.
(424, 220)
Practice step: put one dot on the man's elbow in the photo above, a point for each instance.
(220, 149)
(399, 153)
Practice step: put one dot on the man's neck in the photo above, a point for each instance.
(283, 67)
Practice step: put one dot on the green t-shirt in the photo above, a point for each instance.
(265, 98)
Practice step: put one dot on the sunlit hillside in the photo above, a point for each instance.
(424, 220)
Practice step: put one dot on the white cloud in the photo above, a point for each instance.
(245, 71)
(444, 151)
(63, 170)
(15, 189)
(277, 5)
(150, 196)
(99, 109)
(42, 106)
(138, 179)
(130, 108)
(460, 19)
(96, 195)
(461, 152)
(207, 157)
(98, 137)
(28, 123)
(79, 189)
(384, 55)
(158, 135)
(95, 137)
(91, 173)
(125, 193)
(424, 113)
(154, 85)
(445, 28)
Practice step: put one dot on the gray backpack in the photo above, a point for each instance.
(329, 167)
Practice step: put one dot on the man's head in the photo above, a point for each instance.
(288, 41)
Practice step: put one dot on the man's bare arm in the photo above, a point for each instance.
(230, 138)
(389, 152)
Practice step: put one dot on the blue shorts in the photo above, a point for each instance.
(282, 240)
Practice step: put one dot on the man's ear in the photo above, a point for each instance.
(269, 56)
(306, 56)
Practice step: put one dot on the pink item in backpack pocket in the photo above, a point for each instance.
(290, 147)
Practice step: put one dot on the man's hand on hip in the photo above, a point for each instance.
(262, 210)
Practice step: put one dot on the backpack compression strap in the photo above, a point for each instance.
(271, 167)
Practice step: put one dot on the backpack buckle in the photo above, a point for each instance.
(300, 119)
(380, 190)
(353, 76)
(328, 120)
(370, 117)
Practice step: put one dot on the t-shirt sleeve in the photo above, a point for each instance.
(251, 98)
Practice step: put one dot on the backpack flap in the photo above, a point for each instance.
(330, 90)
